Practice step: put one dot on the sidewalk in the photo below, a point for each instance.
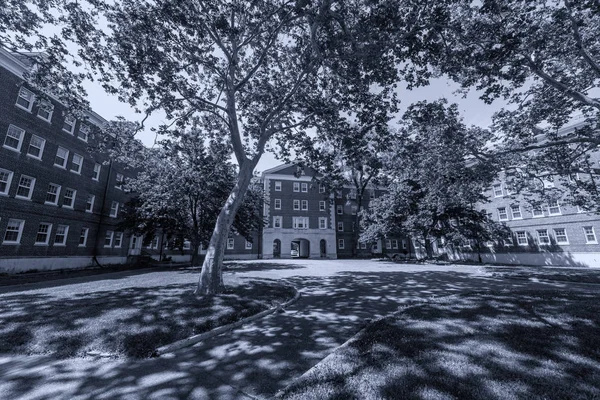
(338, 299)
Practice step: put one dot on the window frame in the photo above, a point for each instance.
(113, 208)
(519, 238)
(248, 245)
(296, 205)
(556, 236)
(322, 205)
(512, 212)
(91, 204)
(339, 209)
(72, 205)
(277, 204)
(41, 148)
(304, 205)
(30, 188)
(340, 226)
(495, 192)
(85, 130)
(322, 222)
(97, 169)
(66, 158)
(118, 237)
(56, 194)
(321, 188)
(106, 236)
(8, 181)
(85, 236)
(500, 214)
(230, 243)
(545, 237)
(585, 234)
(557, 206)
(341, 244)
(66, 123)
(119, 180)
(278, 186)
(540, 209)
(277, 220)
(296, 187)
(31, 100)
(296, 222)
(21, 225)
(20, 140)
(57, 233)
(41, 109)
(48, 233)
(73, 163)
(304, 187)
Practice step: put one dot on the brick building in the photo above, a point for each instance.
(59, 201)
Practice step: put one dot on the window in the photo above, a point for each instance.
(354, 210)
(230, 243)
(89, 205)
(388, 243)
(114, 209)
(118, 239)
(69, 124)
(278, 204)
(14, 138)
(76, 163)
(537, 212)
(96, 175)
(25, 188)
(590, 235)
(339, 209)
(322, 222)
(321, 188)
(62, 155)
(296, 204)
(278, 186)
(522, 238)
(340, 226)
(5, 180)
(14, 229)
(43, 234)
(45, 111)
(154, 243)
(52, 194)
(404, 244)
(554, 208)
(394, 243)
(341, 244)
(363, 245)
(508, 240)
(561, 236)
(304, 205)
(83, 237)
(25, 99)
(36, 147)
(60, 237)
(120, 180)
(108, 238)
(296, 186)
(502, 215)
(277, 222)
(84, 132)
(543, 237)
(322, 206)
(248, 245)
(69, 198)
(375, 246)
(516, 212)
(498, 190)
(304, 187)
(300, 222)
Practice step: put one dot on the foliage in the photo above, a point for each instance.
(435, 183)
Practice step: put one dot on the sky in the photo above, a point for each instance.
(473, 110)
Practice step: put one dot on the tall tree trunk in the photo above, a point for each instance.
(211, 277)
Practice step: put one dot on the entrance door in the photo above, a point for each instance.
(277, 248)
(323, 246)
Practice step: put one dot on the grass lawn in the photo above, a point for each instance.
(488, 345)
(125, 320)
(550, 273)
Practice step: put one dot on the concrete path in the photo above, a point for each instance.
(255, 361)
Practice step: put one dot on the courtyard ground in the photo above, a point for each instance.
(339, 299)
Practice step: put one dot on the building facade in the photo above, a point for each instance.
(59, 201)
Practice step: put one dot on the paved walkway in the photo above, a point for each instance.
(255, 361)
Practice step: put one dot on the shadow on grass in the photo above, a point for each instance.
(269, 354)
(129, 322)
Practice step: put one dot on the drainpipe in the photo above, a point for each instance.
(101, 219)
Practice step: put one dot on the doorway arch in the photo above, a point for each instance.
(300, 248)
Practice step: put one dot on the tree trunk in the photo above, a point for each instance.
(211, 277)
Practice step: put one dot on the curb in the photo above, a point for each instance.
(222, 329)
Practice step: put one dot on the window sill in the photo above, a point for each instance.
(60, 245)
(12, 149)
(60, 166)
(23, 108)
(40, 244)
(50, 204)
(49, 120)
(75, 172)
(34, 157)
(23, 198)
(11, 243)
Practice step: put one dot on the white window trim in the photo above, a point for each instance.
(394, 243)
(595, 241)
(526, 239)
(505, 213)
(73, 202)
(119, 182)
(539, 236)
(85, 237)
(119, 235)
(55, 203)
(296, 202)
(91, 210)
(19, 232)
(85, 131)
(296, 187)
(501, 191)
(8, 182)
(41, 148)
(276, 201)
(302, 203)
(64, 243)
(278, 186)
(49, 119)
(112, 235)
(31, 101)
(48, 235)
(340, 226)
(553, 214)
(322, 205)
(341, 244)
(512, 212)
(78, 170)
(565, 235)
(248, 245)
(31, 188)
(72, 131)
(110, 214)
(304, 187)
(538, 216)
(324, 220)
(64, 166)
(230, 243)
(321, 188)
(277, 218)
(339, 210)
(97, 177)
(21, 138)
(305, 222)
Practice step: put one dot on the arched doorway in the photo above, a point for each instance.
(323, 248)
(300, 248)
(277, 248)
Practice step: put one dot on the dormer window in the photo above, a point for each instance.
(25, 99)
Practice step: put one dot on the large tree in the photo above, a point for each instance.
(265, 71)
(435, 183)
